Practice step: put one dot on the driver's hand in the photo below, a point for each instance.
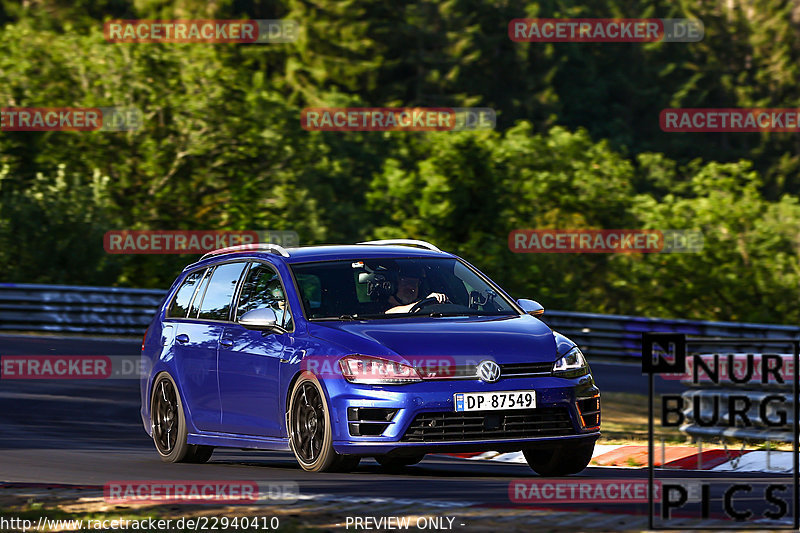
(441, 298)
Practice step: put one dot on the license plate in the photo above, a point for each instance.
(488, 401)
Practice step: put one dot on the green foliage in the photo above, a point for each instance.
(748, 268)
(577, 145)
(50, 231)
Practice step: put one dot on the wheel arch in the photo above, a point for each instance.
(187, 413)
(289, 389)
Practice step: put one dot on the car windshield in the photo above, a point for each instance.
(397, 287)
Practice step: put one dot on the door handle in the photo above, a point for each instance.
(226, 343)
(182, 338)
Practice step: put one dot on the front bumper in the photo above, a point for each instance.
(404, 403)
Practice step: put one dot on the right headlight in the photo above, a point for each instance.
(370, 370)
(572, 365)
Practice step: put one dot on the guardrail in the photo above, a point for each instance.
(70, 309)
(113, 310)
(757, 431)
(621, 335)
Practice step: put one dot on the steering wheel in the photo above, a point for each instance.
(423, 303)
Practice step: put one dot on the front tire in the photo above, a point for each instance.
(169, 425)
(310, 433)
(565, 460)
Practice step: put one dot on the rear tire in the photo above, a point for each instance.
(169, 425)
(310, 434)
(565, 460)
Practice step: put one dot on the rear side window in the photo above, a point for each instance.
(198, 296)
(219, 293)
(183, 297)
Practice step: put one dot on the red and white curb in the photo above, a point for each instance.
(674, 457)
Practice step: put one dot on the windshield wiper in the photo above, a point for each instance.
(479, 313)
(363, 317)
(340, 317)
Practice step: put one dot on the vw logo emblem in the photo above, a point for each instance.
(488, 371)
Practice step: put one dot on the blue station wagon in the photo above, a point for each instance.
(386, 349)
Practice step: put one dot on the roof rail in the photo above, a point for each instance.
(258, 247)
(404, 242)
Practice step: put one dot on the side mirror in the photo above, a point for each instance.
(531, 307)
(264, 319)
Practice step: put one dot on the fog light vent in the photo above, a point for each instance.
(589, 411)
(368, 421)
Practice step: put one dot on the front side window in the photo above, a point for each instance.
(216, 304)
(262, 289)
(183, 297)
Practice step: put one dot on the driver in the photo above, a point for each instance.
(407, 295)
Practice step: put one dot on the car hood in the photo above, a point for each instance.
(506, 339)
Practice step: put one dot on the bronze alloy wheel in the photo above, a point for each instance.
(165, 416)
(169, 425)
(308, 422)
(310, 434)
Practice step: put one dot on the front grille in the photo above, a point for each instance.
(469, 371)
(480, 425)
(525, 369)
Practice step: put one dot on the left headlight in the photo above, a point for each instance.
(572, 365)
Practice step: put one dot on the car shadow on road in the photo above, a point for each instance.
(438, 467)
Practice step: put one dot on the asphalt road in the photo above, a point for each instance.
(88, 432)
